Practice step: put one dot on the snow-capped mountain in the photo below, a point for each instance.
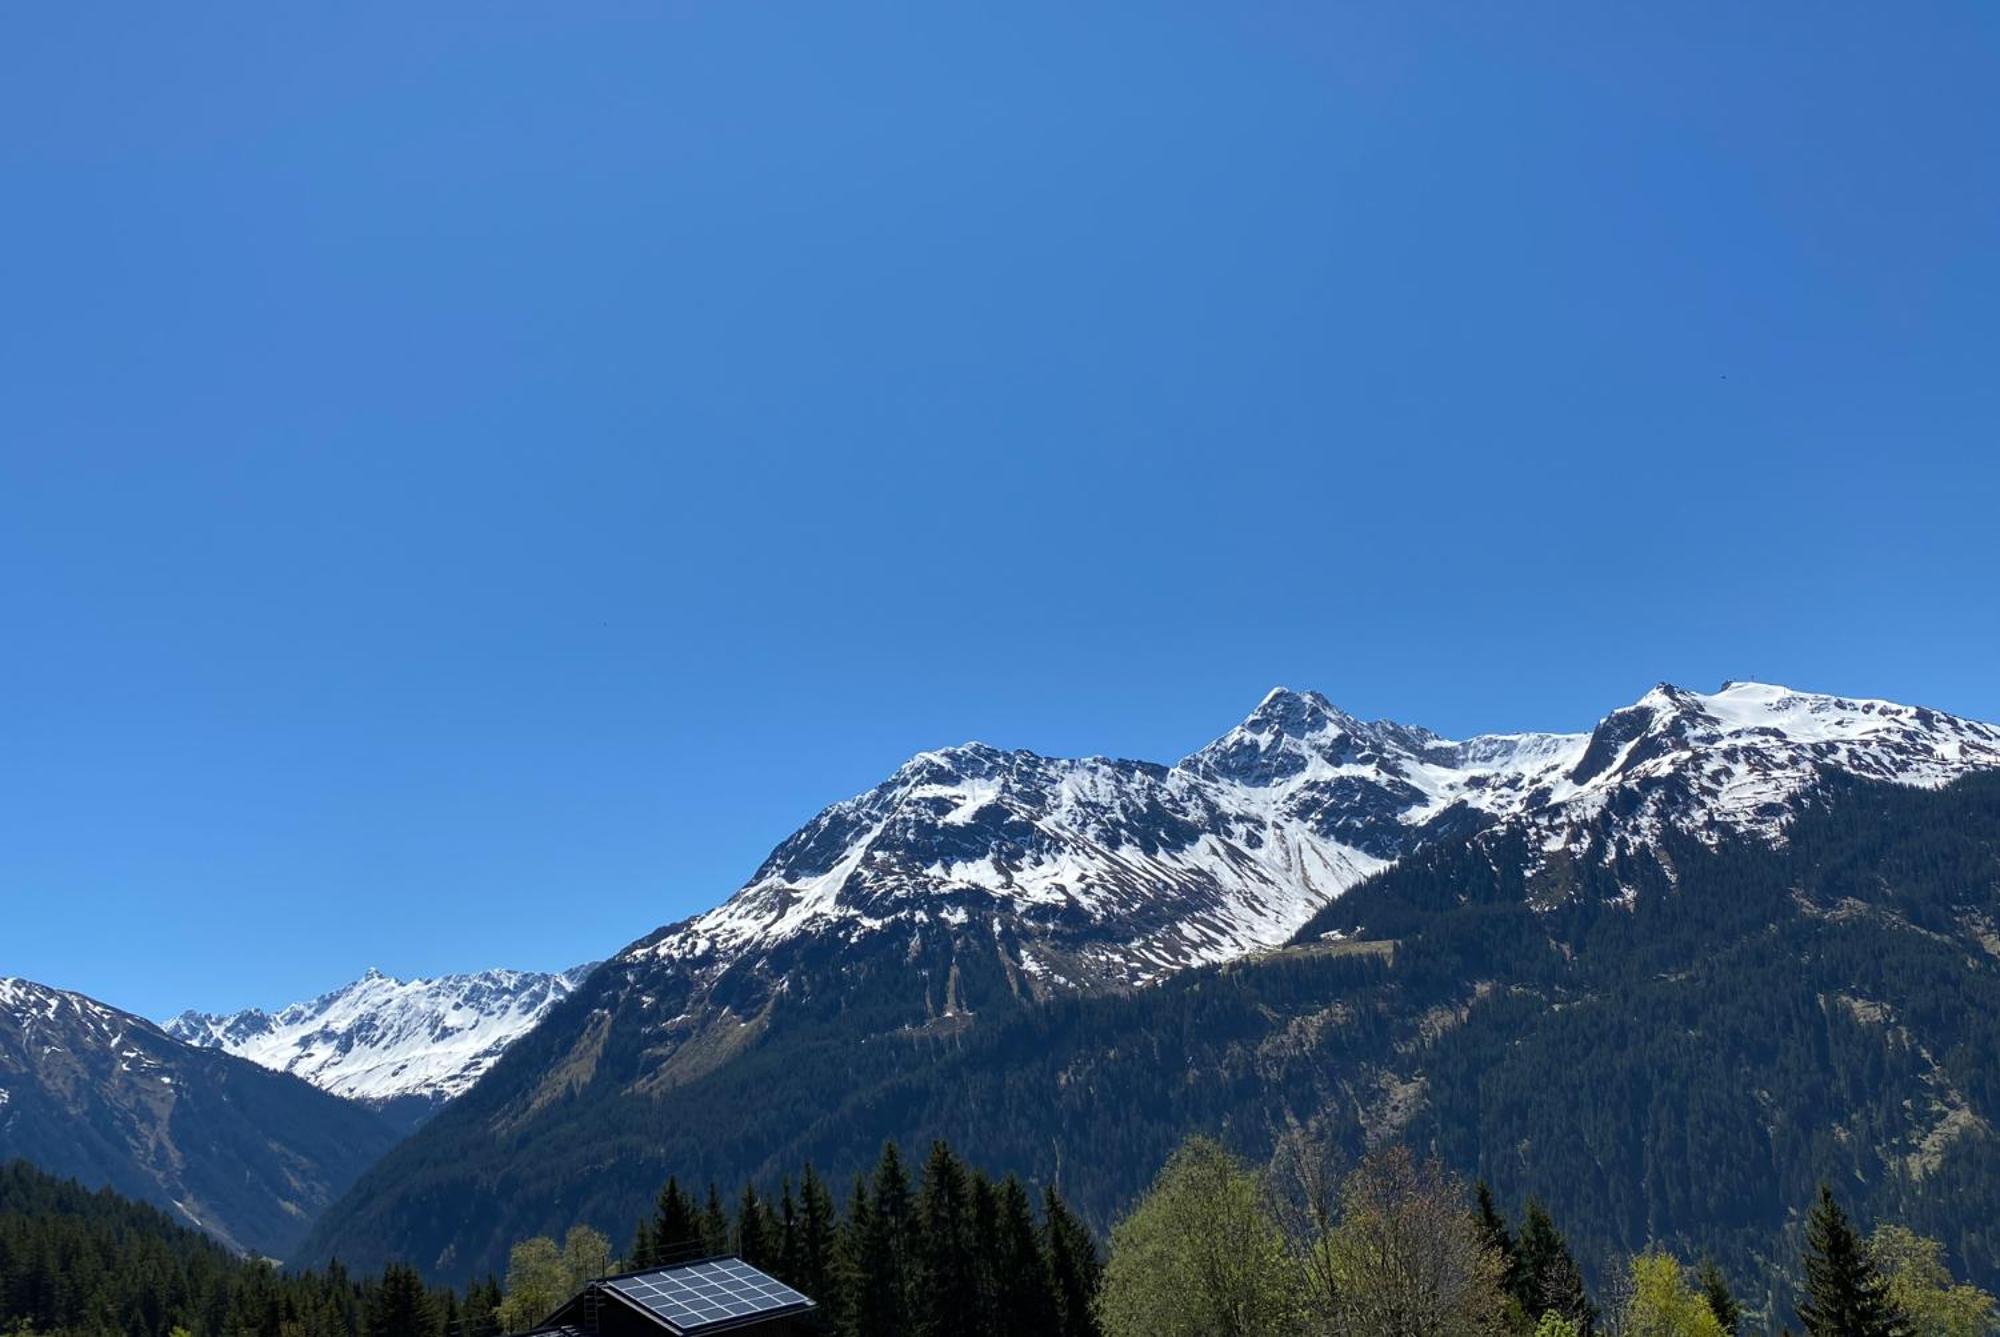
(401, 1046)
(1119, 871)
(248, 1155)
(940, 909)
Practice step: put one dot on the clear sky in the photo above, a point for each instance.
(474, 476)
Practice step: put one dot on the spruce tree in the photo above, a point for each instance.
(851, 1301)
(1550, 1281)
(1715, 1290)
(482, 1304)
(882, 1252)
(754, 1243)
(1493, 1233)
(714, 1223)
(986, 1250)
(399, 1306)
(677, 1231)
(1024, 1303)
(1845, 1295)
(819, 1232)
(787, 1260)
(947, 1295)
(643, 1250)
(1074, 1268)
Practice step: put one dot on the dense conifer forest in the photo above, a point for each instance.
(1304, 1246)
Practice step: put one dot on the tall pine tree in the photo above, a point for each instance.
(1074, 1268)
(1549, 1280)
(1845, 1295)
(947, 1293)
(1023, 1302)
(714, 1223)
(880, 1259)
(754, 1241)
(677, 1231)
(1715, 1291)
(400, 1306)
(818, 1236)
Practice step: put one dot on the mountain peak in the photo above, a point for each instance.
(1297, 712)
(423, 1039)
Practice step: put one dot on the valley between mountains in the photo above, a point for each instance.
(1754, 930)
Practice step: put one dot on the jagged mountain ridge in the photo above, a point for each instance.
(976, 884)
(247, 1155)
(1121, 871)
(403, 1047)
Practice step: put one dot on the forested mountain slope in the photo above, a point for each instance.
(1670, 1038)
(247, 1155)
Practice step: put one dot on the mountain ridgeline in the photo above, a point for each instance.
(401, 1047)
(1669, 972)
(247, 1155)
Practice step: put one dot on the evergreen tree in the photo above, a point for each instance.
(714, 1223)
(754, 1242)
(677, 1231)
(788, 1235)
(985, 1251)
(1715, 1290)
(882, 1252)
(642, 1250)
(482, 1307)
(947, 1293)
(400, 1306)
(1023, 1303)
(818, 1236)
(1845, 1295)
(851, 1301)
(1549, 1280)
(1074, 1268)
(1493, 1233)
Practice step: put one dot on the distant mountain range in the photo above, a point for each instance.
(979, 894)
(401, 1047)
(248, 1155)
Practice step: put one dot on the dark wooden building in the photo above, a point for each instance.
(710, 1295)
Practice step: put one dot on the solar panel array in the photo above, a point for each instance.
(701, 1295)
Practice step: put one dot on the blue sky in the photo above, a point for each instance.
(474, 476)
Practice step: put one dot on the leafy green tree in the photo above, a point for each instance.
(537, 1281)
(1922, 1289)
(1845, 1295)
(1555, 1325)
(1199, 1256)
(1409, 1255)
(1664, 1302)
(586, 1256)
